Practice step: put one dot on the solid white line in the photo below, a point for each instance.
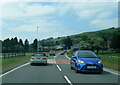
(59, 68)
(108, 70)
(67, 56)
(68, 80)
(14, 69)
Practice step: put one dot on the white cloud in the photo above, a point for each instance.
(29, 16)
(105, 14)
(87, 10)
(104, 23)
(19, 10)
(30, 25)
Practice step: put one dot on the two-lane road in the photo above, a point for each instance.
(57, 71)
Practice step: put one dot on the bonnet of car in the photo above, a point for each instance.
(92, 60)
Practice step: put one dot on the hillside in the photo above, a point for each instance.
(106, 33)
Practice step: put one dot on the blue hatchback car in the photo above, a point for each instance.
(86, 61)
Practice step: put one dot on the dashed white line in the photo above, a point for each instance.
(14, 69)
(66, 78)
(59, 68)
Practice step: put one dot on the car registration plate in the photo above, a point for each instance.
(38, 58)
(91, 67)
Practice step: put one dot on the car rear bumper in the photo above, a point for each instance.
(38, 62)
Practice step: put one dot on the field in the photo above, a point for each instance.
(13, 62)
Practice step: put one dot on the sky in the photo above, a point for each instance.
(55, 19)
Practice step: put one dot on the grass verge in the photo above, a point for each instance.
(13, 62)
(111, 62)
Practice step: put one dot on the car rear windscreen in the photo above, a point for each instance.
(39, 55)
(86, 55)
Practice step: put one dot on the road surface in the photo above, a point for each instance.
(57, 72)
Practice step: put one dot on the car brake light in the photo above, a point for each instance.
(44, 58)
(32, 58)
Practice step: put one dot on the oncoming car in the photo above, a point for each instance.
(62, 53)
(86, 61)
(38, 58)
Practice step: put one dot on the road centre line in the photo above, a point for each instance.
(66, 78)
(59, 68)
(13, 69)
(105, 69)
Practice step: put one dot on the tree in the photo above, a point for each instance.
(34, 44)
(21, 46)
(84, 37)
(21, 42)
(99, 44)
(15, 41)
(115, 43)
(6, 46)
(57, 42)
(67, 42)
(26, 45)
(85, 45)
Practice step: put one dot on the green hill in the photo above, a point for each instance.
(106, 34)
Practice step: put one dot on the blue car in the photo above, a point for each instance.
(86, 61)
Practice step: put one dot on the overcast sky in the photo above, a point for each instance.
(55, 19)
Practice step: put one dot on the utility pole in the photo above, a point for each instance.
(37, 40)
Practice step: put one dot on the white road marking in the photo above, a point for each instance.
(108, 70)
(59, 68)
(66, 78)
(67, 56)
(54, 61)
(14, 69)
(55, 56)
(51, 61)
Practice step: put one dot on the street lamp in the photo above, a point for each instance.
(37, 40)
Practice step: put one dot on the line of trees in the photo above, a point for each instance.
(104, 40)
(101, 44)
(14, 45)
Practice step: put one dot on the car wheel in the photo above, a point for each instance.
(100, 72)
(77, 71)
(45, 63)
(71, 67)
(31, 64)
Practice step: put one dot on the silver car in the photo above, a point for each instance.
(38, 58)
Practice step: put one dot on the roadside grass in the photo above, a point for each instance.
(70, 53)
(108, 62)
(9, 63)
(111, 54)
(13, 62)
(111, 62)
